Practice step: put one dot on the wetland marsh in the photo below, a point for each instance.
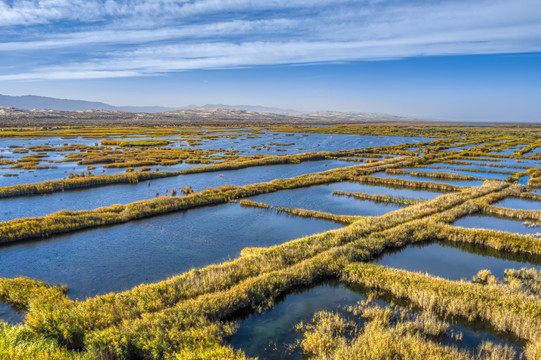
(237, 243)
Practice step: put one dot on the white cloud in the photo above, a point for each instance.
(26, 12)
(346, 31)
(139, 36)
(71, 74)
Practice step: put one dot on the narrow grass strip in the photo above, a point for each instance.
(432, 175)
(340, 219)
(418, 185)
(513, 214)
(384, 199)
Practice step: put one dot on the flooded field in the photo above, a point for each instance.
(498, 224)
(520, 204)
(123, 194)
(412, 178)
(241, 143)
(322, 198)
(118, 258)
(451, 262)
(273, 335)
(166, 242)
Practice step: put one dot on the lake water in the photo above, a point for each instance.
(247, 144)
(120, 257)
(452, 262)
(520, 204)
(494, 223)
(414, 178)
(321, 198)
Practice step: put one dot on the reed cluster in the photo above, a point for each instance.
(377, 198)
(527, 280)
(504, 309)
(535, 179)
(514, 214)
(21, 343)
(387, 333)
(530, 196)
(421, 185)
(341, 219)
(253, 204)
(498, 240)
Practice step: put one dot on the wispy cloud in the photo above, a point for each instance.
(137, 38)
(141, 36)
(28, 12)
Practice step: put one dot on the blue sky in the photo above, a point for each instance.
(455, 59)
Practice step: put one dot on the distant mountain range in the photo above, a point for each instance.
(31, 102)
(31, 109)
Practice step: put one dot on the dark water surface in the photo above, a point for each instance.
(120, 257)
(520, 204)
(494, 223)
(271, 335)
(453, 262)
(320, 198)
(9, 315)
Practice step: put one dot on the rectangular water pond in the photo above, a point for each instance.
(414, 178)
(271, 335)
(520, 204)
(478, 166)
(117, 258)
(454, 262)
(498, 224)
(509, 162)
(20, 207)
(320, 198)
